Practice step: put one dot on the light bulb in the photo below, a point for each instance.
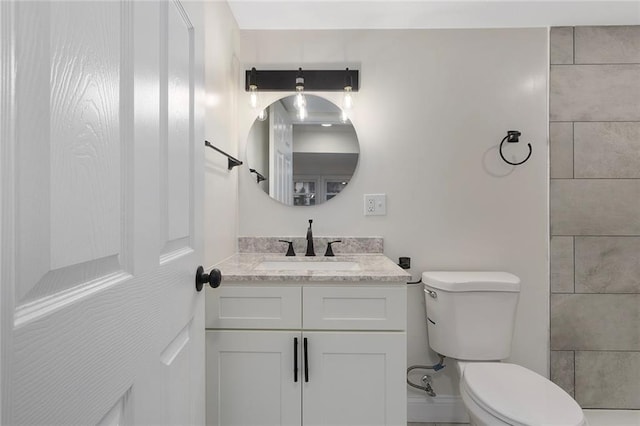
(302, 113)
(262, 115)
(300, 102)
(343, 116)
(347, 98)
(253, 96)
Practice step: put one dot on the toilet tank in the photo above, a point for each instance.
(470, 315)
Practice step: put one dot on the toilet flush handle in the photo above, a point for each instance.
(431, 293)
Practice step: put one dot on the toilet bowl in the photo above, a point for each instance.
(470, 317)
(507, 394)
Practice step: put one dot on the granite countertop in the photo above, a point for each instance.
(371, 267)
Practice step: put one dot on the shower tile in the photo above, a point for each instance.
(607, 45)
(595, 206)
(595, 322)
(561, 41)
(608, 380)
(607, 265)
(594, 93)
(606, 150)
(562, 264)
(563, 370)
(561, 150)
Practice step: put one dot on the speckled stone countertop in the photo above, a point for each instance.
(372, 267)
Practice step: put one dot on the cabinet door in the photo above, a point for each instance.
(355, 379)
(250, 378)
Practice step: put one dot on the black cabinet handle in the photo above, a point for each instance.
(306, 361)
(295, 359)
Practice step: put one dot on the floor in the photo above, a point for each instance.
(438, 424)
(594, 417)
(613, 417)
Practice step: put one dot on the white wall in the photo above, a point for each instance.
(432, 108)
(222, 80)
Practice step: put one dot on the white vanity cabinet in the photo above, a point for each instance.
(351, 373)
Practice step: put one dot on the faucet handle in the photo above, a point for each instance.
(329, 251)
(290, 251)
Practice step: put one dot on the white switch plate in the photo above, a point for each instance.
(375, 204)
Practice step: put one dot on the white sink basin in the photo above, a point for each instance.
(305, 265)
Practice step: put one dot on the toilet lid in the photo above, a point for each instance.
(519, 396)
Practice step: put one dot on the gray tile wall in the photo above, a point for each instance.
(594, 136)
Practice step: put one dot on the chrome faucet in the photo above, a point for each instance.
(310, 251)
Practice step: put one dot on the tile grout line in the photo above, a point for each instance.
(573, 238)
(573, 39)
(573, 150)
(574, 375)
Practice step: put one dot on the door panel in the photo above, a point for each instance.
(250, 378)
(97, 326)
(355, 379)
(85, 135)
(281, 154)
(176, 166)
(69, 174)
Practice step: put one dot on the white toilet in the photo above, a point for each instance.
(470, 317)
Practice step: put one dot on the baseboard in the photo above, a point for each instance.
(439, 409)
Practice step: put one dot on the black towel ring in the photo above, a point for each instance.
(512, 137)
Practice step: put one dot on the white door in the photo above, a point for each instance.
(354, 379)
(280, 154)
(251, 378)
(101, 151)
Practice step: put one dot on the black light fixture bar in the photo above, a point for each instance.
(232, 161)
(314, 80)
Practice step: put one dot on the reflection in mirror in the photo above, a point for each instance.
(305, 162)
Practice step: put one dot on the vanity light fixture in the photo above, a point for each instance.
(345, 80)
(314, 80)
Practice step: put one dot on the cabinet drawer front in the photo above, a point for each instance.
(354, 308)
(254, 308)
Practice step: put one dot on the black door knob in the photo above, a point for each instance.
(213, 278)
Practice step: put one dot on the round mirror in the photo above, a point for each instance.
(302, 151)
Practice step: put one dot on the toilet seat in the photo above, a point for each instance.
(518, 396)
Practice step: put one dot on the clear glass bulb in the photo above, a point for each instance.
(262, 115)
(347, 99)
(300, 102)
(253, 96)
(302, 113)
(343, 116)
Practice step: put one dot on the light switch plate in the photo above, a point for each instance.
(375, 204)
